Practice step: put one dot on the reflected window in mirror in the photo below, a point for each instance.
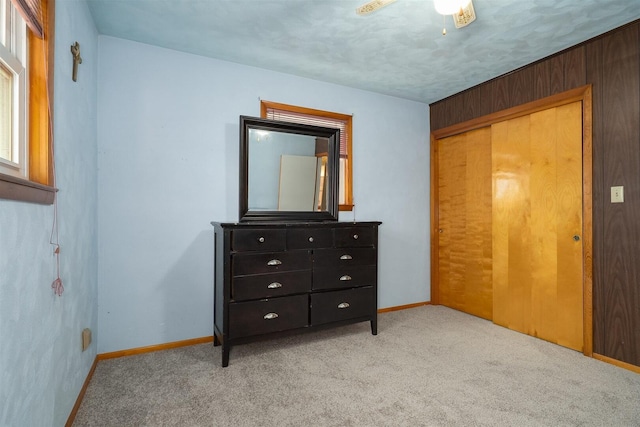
(294, 114)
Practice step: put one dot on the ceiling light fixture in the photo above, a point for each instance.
(461, 11)
(449, 7)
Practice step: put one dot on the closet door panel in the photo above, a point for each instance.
(544, 225)
(477, 238)
(464, 223)
(511, 151)
(452, 161)
(570, 261)
(537, 224)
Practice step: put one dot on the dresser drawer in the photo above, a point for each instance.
(258, 240)
(354, 236)
(272, 262)
(342, 305)
(331, 278)
(270, 285)
(347, 257)
(269, 315)
(309, 238)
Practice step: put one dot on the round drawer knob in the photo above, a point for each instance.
(311, 239)
(355, 237)
(261, 239)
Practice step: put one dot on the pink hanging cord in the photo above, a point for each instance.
(57, 286)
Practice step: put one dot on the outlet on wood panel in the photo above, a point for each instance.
(617, 194)
(86, 338)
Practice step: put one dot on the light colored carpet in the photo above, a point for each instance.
(428, 366)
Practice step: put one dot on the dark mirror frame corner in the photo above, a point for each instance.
(332, 174)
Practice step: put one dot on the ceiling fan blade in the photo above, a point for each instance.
(372, 6)
(466, 16)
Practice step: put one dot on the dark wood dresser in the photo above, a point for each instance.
(277, 277)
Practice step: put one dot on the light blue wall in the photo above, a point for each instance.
(42, 367)
(168, 165)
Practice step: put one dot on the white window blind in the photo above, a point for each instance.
(6, 121)
(307, 119)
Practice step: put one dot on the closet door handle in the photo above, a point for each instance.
(274, 262)
(274, 285)
(345, 278)
(270, 316)
(343, 305)
(346, 256)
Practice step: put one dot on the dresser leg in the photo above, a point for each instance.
(225, 355)
(374, 326)
(216, 341)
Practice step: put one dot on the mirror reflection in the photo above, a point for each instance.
(286, 171)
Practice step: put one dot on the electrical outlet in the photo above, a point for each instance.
(617, 194)
(86, 338)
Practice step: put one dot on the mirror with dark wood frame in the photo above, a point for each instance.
(288, 171)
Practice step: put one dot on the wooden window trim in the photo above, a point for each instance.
(348, 189)
(40, 186)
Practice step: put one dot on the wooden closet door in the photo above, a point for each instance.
(464, 222)
(537, 224)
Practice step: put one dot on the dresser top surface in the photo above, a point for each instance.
(292, 224)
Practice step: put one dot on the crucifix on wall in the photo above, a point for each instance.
(75, 51)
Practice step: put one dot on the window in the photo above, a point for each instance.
(13, 37)
(26, 67)
(291, 113)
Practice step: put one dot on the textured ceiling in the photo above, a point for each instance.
(398, 50)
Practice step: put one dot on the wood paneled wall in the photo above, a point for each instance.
(611, 64)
